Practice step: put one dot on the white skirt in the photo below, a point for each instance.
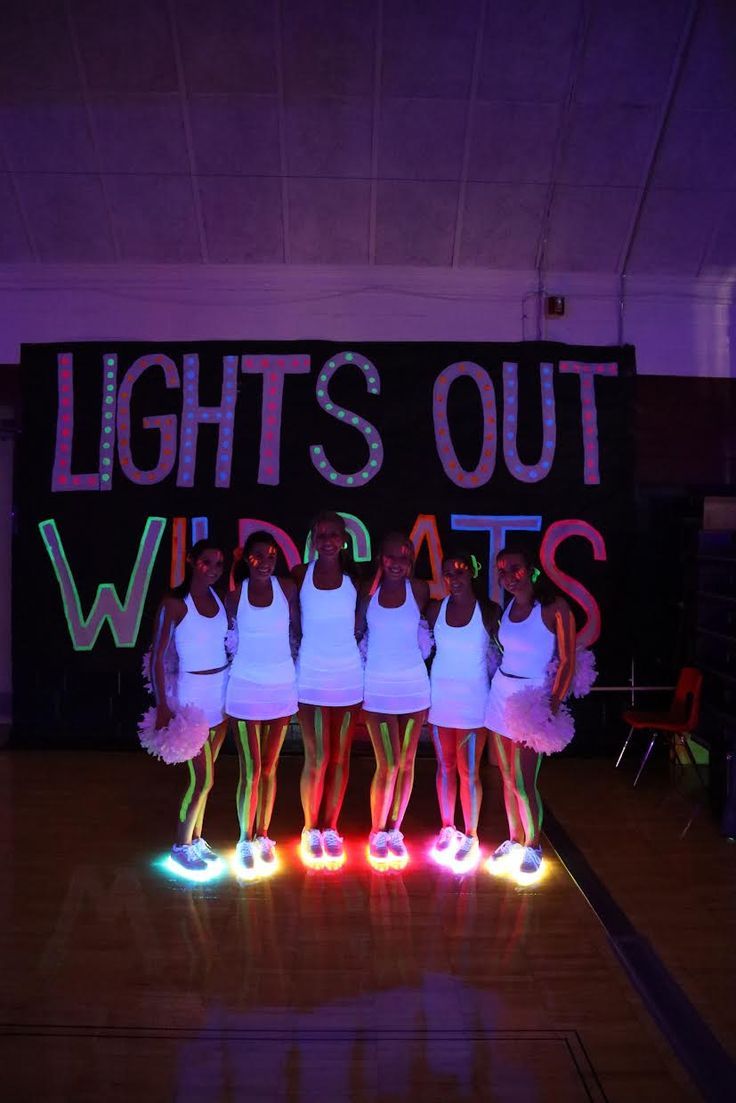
(502, 688)
(205, 692)
(397, 692)
(249, 700)
(338, 684)
(458, 704)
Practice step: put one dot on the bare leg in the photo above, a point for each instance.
(384, 735)
(216, 739)
(338, 767)
(529, 802)
(445, 747)
(504, 749)
(469, 751)
(272, 740)
(200, 782)
(248, 742)
(410, 728)
(316, 738)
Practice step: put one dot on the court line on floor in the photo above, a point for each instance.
(692, 1041)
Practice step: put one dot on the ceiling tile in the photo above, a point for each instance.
(154, 218)
(228, 45)
(630, 51)
(328, 221)
(608, 144)
(328, 48)
(513, 141)
(67, 217)
(242, 218)
(673, 232)
(428, 48)
(709, 76)
(527, 49)
(141, 134)
(236, 134)
(126, 47)
(588, 228)
(14, 245)
(698, 150)
(421, 139)
(47, 136)
(501, 224)
(329, 137)
(36, 49)
(415, 222)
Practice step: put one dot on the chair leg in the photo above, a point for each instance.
(691, 756)
(626, 743)
(645, 759)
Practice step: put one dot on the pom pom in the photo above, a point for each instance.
(231, 642)
(363, 646)
(146, 672)
(493, 657)
(425, 639)
(531, 723)
(171, 672)
(183, 738)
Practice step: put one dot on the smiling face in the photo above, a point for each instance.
(514, 574)
(262, 559)
(329, 537)
(457, 576)
(208, 565)
(396, 558)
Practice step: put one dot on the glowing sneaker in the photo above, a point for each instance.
(311, 847)
(378, 849)
(467, 855)
(333, 848)
(245, 859)
(187, 856)
(204, 850)
(505, 857)
(398, 854)
(530, 868)
(266, 849)
(442, 849)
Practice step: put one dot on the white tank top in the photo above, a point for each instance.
(392, 634)
(263, 636)
(200, 641)
(328, 622)
(528, 645)
(461, 652)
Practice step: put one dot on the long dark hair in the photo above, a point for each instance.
(260, 536)
(193, 555)
(542, 588)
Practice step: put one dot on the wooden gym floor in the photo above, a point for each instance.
(121, 983)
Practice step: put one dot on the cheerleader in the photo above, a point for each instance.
(261, 692)
(463, 628)
(396, 694)
(193, 619)
(534, 624)
(330, 687)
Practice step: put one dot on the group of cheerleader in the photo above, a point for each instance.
(330, 648)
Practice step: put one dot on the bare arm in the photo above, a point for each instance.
(298, 573)
(432, 612)
(170, 612)
(491, 613)
(563, 626)
(421, 594)
(289, 587)
(231, 602)
(361, 609)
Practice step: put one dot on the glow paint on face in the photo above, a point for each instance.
(213, 872)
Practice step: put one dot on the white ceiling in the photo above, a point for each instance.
(571, 135)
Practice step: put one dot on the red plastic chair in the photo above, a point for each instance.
(679, 721)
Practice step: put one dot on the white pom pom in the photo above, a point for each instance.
(531, 723)
(425, 639)
(183, 738)
(585, 672)
(231, 641)
(493, 658)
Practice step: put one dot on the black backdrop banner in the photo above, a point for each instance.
(131, 451)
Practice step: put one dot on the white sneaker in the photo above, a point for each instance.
(467, 853)
(266, 849)
(245, 856)
(204, 850)
(445, 839)
(311, 846)
(333, 845)
(397, 850)
(531, 865)
(187, 856)
(505, 857)
(378, 845)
